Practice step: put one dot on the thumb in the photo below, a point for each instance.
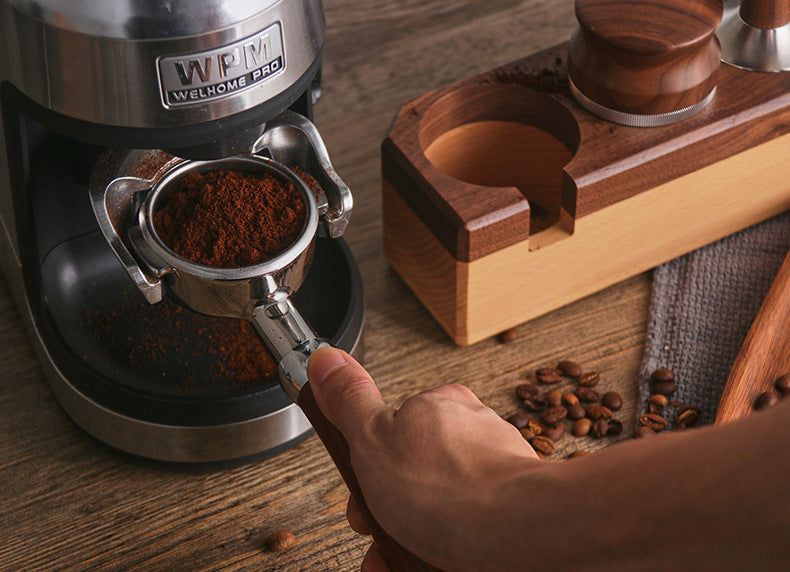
(343, 390)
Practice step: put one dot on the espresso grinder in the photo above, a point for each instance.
(103, 104)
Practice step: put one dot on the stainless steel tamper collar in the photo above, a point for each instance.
(125, 205)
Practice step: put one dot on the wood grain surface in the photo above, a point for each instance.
(69, 503)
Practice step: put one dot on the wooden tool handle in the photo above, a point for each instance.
(398, 558)
(765, 354)
(765, 14)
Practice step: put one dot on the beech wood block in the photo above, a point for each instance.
(503, 199)
(765, 354)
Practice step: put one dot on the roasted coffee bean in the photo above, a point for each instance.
(280, 540)
(782, 385)
(656, 404)
(664, 387)
(535, 404)
(553, 415)
(578, 453)
(508, 336)
(597, 411)
(555, 433)
(612, 400)
(655, 422)
(766, 399)
(586, 394)
(576, 411)
(675, 403)
(569, 368)
(569, 399)
(686, 417)
(543, 445)
(589, 379)
(527, 433)
(643, 431)
(553, 398)
(663, 374)
(615, 427)
(519, 420)
(527, 390)
(581, 427)
(536, 427)
(600, 428)
(548, 375)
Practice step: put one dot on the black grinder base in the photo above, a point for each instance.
(160, 381)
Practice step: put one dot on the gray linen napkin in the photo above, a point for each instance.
(702, 307)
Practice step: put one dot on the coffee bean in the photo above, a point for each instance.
(527, 390)
(581, 427)
(663, 374)
(578, 453)
(586, 394)
(508, 336)
(597, 411)
(536, 427)
(280, 540)
(664, 387)
(576, 411)
(519, 420)
(655, 422)
(548, 375)
(643, 431)
(569, 399)
(527, 433)
(656, 404)
(535, 404)
(569, 368)
(555, 433)
(553, 398)
(766, 399)
(615, 427)
(675, 403)
(782, 385)
(543, 445)
(686, 417)
(589, 379)
(600, 428)
(553, 415)
(612, 400)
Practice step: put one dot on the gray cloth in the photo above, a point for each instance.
(702, 307)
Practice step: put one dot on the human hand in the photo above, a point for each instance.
(432, 472)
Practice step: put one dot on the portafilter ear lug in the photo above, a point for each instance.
(291, 139)
(113, 205)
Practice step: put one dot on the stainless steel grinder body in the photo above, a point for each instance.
(197, 79)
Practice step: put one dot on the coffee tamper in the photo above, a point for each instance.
(755, 36)
(644, 63)
(259, 293)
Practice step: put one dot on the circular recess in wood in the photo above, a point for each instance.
(645, 58)
(503, 135)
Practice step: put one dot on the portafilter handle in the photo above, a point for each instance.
(292, 341)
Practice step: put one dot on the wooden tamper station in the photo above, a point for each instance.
(509, 194)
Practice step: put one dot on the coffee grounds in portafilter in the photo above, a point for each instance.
(230, 219)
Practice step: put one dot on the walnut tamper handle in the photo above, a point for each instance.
(765, 14)
(644, 63)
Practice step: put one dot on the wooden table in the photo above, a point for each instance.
(69, 502)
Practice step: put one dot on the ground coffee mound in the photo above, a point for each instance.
(230, 219)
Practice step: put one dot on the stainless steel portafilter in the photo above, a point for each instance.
(260, 293)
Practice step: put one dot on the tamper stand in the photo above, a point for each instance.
(517, 191)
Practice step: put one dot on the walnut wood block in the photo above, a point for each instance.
(765, 354)
(765, 14)
(624, 199)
